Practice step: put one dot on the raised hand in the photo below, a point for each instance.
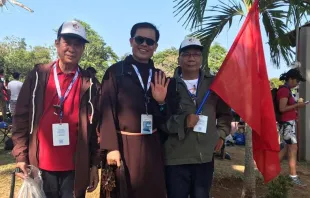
(159, 87)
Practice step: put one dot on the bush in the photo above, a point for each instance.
(279, 187)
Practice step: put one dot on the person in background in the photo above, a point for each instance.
(192, 139)
(54, 126)
(4, 95)
(288, 115)
(14, 87)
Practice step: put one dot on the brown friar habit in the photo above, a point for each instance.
(122, 103)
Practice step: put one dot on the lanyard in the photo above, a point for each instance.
(63, 98)
(142, 84)
(203, 102)
(194, 96)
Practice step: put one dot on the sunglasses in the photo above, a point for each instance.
(140, 39)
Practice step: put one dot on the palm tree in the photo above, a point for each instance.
(3, 4)
(276, 15)
(249, 183)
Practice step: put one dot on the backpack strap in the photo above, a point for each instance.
(290, 92)
(119, 72)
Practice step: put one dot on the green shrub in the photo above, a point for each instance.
(279, 187)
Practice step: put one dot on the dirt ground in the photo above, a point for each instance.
(227, 180)
(229, 173)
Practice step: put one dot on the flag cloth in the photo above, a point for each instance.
(242, 82)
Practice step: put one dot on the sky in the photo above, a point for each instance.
(111, 19)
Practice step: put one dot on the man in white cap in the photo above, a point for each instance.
(54, 125)
(197, 128)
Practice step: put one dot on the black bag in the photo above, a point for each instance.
(274, 92)
(277, 112)
(8, 145)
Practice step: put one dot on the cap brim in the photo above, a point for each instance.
(302, 79)
(75, 36)
(191, 46)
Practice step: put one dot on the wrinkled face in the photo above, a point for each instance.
(190, 60)
(144, 44)
(69, 49)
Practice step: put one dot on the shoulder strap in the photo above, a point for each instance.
(290, 92)
(119, 72)
(120, 69)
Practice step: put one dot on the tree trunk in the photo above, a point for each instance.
(249, 183)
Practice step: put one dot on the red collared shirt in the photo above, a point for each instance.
(59, 158)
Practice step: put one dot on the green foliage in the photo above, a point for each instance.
(275, 82)
(167, 60)
(216, 57)
(208, 25)
(97, 54)
(16, 56)
(279, 187)
(124, 56)
(194, 10)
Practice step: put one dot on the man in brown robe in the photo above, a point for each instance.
(132, 113)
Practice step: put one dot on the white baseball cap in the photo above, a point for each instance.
(73, 28)
(190, 42)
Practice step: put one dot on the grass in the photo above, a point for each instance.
(228, 178)
(7, 165)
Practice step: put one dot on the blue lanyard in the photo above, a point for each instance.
(62, 98)
(195, 96)
(142, 84)
(203, 102)
(140, 78)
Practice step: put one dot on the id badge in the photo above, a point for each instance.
(146, 124)
(61, 134)
(202, 124)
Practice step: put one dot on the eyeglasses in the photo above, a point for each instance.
(140, 39)
(188, 55)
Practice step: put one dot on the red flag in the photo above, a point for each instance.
(242, 83)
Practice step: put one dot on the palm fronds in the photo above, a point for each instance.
(192, 11)
(213, 25)
(273, 16)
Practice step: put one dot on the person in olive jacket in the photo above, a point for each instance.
(192, 139)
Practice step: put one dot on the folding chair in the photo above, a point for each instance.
(5, 132)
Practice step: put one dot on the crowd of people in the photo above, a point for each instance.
(9, 92)
(156, 135)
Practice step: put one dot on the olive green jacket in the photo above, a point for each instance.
(183, 145)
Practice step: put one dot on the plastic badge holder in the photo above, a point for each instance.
(33, 185)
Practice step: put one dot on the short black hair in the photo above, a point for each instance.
(1, 71)
(91, 70)
(16, 75)
(144, 25)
